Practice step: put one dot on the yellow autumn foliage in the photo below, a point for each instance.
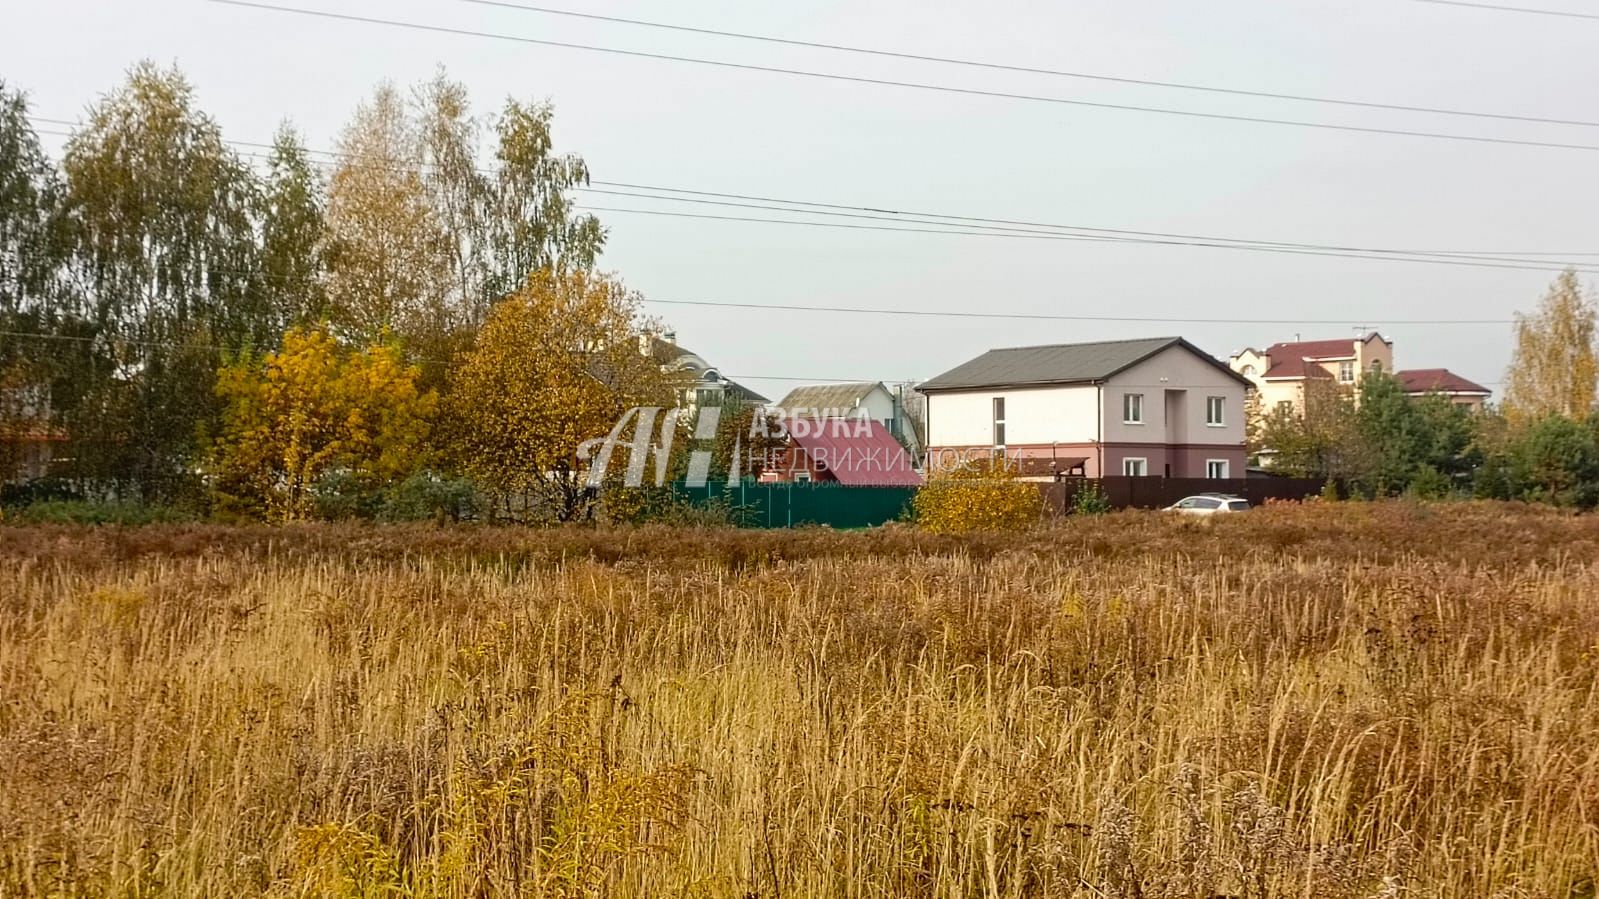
(555, 364)
(978, 496)
(311, 408)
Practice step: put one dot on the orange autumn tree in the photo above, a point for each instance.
(555, 364)
(312, 409)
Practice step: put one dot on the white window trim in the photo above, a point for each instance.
(1143, 463)
(1352, 369)
(1226, 469)
(1221, 408)
(1127, 406)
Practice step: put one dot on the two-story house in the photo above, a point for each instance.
(1150, 407)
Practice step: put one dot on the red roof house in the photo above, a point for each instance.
(855, 452)
(1442, 381)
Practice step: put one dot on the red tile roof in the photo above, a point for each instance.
(1440, 380)
(1288, 359)
(859, 452)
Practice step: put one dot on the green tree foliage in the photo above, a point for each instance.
(1555, 369)
(34, 248)
(293, 230)
(312, 415)
(1406, 439)
(167, 253)
(1320, 441)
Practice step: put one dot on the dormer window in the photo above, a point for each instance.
(710, 376)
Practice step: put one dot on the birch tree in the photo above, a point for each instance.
(1554, 370)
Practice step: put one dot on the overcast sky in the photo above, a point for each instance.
(699, 127)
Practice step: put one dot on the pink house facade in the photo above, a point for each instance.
(1143, 408)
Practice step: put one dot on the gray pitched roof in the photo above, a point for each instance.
(1061, 363)
(828, 396)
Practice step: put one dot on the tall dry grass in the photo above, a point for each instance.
(1351, 701)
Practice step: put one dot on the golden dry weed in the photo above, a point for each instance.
(1345, 701)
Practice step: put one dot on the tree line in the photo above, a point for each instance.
(1540, 444)
(414, 321)
(287, 333)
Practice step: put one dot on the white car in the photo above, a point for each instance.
(1209, 504)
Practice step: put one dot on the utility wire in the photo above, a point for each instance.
(1522, 9)
(993, 227)
(1261, 249)
(912, 85)
(1002, 67)
(968, 226)
(1048, 316)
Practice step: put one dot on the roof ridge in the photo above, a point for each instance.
(1046, 346)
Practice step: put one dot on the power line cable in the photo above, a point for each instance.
(1263, 249)
(1521, 9)
(912, 85)
(1004, 227)
(1049, 316)
(1003, 67)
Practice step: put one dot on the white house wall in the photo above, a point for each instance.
(1033, 416)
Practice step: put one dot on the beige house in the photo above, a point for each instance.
(1280, 372)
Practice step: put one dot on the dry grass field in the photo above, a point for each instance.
(1347, 701)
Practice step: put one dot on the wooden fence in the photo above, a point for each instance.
(1158, 492)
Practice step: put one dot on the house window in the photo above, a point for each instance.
(1346, 371)
(1249, 371)
(1376, 366)
(1133, 408)
(1135, 468)
(1215, 411)
(999, 421)
(1216, 468)
(802, 477)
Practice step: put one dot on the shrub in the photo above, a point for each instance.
(89, 512)
(977, 497)
(426, 496)
(1429, 483)
(1090, 500)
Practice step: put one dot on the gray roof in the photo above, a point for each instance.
(1061, 363)
(829, 396)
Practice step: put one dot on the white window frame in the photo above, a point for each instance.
(997, 407)
(1346, 371)
(1143, 467)
(1132, 408)
(1219, 404)
(802, 477)
(1224, 464)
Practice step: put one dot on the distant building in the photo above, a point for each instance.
(1443, 382)
(1281, 372)
(28, 439)
(1150, 407)
(868, 399)
(854, 452)
(706, 385)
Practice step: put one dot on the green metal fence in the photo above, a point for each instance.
(795, 505)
